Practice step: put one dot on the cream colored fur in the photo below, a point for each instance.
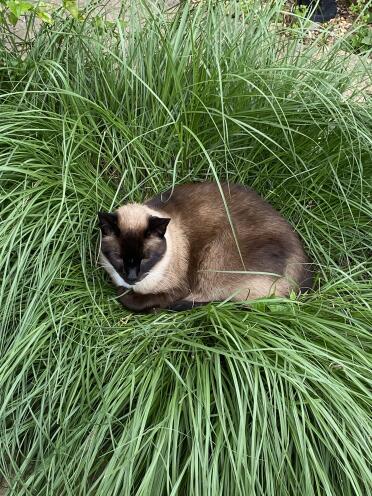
(133, 216)
(115, 277)
(169, 272)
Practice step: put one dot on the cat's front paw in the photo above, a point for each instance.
(121, 291)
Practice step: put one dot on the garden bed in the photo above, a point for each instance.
(271, 399)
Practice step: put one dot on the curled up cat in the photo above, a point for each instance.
(199, 243)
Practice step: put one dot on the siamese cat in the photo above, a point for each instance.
(200, 243)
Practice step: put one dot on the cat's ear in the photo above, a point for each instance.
(108, 223)
(158, 226)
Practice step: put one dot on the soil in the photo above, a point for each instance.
(336, 27)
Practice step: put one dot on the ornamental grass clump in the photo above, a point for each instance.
(270, 398)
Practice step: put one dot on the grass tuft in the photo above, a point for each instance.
(220, 400)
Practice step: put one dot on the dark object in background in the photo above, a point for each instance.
(326, 9)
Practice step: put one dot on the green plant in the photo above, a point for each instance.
(361, 8)
(299, 21)
(270, 399)
(300, 11)
(12, 10)
(360, 38)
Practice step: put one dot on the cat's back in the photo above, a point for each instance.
(204, 206)
(230, 227)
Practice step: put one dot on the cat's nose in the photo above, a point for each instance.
(132, 276)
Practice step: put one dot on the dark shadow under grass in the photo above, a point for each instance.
(220, 400)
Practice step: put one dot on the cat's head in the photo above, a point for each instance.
(133, 240)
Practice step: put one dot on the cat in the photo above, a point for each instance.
(198, 243)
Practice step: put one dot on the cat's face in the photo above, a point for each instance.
(133, 244)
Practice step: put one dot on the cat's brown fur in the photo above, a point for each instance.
(215, 247)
